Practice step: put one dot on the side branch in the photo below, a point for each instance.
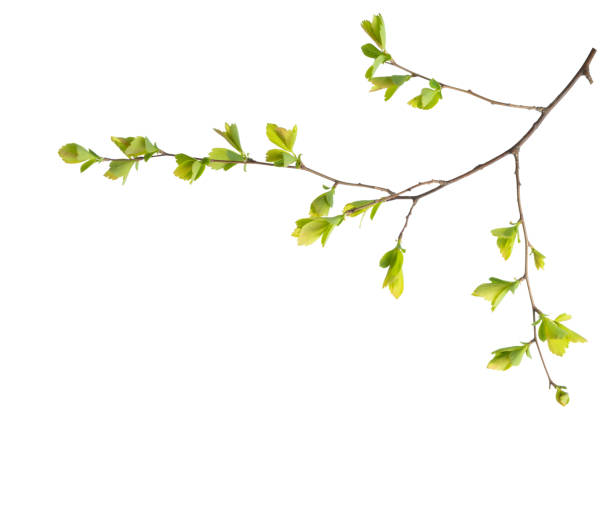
(525, 277)
(467, 91)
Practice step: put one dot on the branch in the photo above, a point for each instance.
(467, 91)
(525, 277)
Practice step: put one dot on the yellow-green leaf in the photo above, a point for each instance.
(538, 258)
(282, 137)
(506, 236)
(119, 168)
(75, 153)
(557, 335)
(495, 290)
(394, 279)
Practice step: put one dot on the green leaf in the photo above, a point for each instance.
(281, 137)
(429, 97)
(280, 157)
(506, 236)
(562, 396)
(393, 260)
(223, 154)
(119, 168)
(382, 58)
(390, 84)
(557, 335)
(135, 146)
(309, 230)
(495, 290)
(74, 153)
(375, 210)
(538, 258)
(87, 164)
(189, 168)
(376, 30)
(508, 357)
(369, 50)
(360, 206)
(322, 204)
(231, 136)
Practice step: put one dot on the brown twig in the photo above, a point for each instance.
(525, 277)
(467, 91)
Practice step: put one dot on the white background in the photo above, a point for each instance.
(169, 349)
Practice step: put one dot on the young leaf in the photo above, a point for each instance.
(280, 157)
(369, 50)
(375, 210)
(87, 164)
(74, 153)
(393, 260)
(119, 168)
(360, 206)
(508, 357)
(223, 154)
(506, 236)
(538, 258)
(135, 146)
(281, 137)
(495, 290)
(382, 58)
(231, 136)
(376, 30)
(309, 230)
(557, 335)
(429, 97)
(321, 205)
(562, 396)
(390, 84)
(189, 168)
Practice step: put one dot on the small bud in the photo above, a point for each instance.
(562, 397)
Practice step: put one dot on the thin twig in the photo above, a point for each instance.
(467, 91)
(401, 234)
(525, 277)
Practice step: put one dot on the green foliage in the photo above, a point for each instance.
(135, 146)
(285, 139)
(282, 137)
(556, 334)
(538, 258)
(508, 357)
(495, 290)
(119, 168)
(189, 168)
(217, 156)
(376, 30)
(322, 204)
(230, 134)
(562, 396)
(280, 157)
(309, 230)
(381, 58)
(393, 260)
(390, 84)
(369, 50)
(223, 154)
(506, 236)
(429, 97)
(359, 206)
(75, 153)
